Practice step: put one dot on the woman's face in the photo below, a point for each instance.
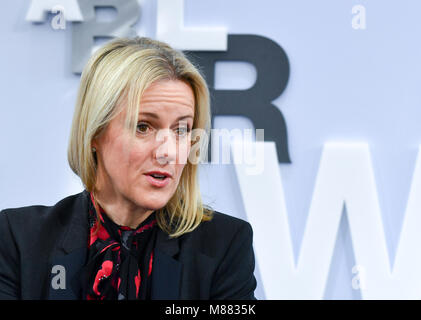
(128, 167)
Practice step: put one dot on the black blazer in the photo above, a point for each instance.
(215, 261)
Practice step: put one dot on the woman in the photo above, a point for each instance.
(139, 230)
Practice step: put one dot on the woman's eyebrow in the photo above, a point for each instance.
(154, 115)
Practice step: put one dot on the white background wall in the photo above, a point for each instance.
(345, 84)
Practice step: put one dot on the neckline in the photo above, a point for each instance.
(148, 223)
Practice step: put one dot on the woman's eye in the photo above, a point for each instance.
(182, 131)
(142, 128)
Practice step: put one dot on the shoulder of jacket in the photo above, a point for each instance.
(223, 226)
(214, 238)
(28, 215)
(220, 219)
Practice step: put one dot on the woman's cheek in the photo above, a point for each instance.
(140, 151)
(183, 154)
(179, 168)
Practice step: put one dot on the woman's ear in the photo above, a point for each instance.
(94, 144)
(94, 147)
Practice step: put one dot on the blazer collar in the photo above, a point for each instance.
(166, 270)
(166, 274)
(77, 234)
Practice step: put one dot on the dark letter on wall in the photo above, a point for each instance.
(271, 63)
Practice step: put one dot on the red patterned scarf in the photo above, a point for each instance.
(120, 258)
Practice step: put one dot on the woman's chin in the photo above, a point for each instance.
(153, 204)
(153, 198)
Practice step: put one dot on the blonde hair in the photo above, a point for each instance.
(127, 67)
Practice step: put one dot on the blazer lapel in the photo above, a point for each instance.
(65, 279)
(70, 257)
(166, 271)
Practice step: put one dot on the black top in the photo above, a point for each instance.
(38, 243)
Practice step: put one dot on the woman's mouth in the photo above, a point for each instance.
(158, 179)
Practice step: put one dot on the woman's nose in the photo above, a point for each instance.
(166, 152)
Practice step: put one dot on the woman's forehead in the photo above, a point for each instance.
(171, 92)
(163, 96)
(158, 115)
